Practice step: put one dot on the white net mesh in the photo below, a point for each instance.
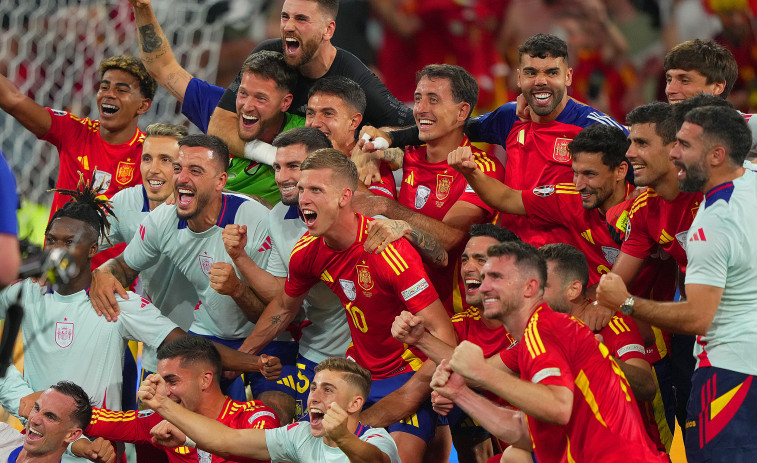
(51, 50)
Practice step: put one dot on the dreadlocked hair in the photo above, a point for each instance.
(87, 206)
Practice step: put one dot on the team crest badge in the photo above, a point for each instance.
(421, 196)
(560, 153)
(364, 278)
(125, 172)
(443, 185)
(64, 334)
(544, 191)
(205, 263)
(101, 181)
(681, 237)
(610, 254)
(349, 288)
(203, 456)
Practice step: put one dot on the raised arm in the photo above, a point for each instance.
(31, 115)
(274, 319)
(209, 434)
(265, 286)
(155, 51)
(223, 124)
(382, 232)
(410, 329)
(491, 191)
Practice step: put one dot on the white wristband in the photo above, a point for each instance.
(190, 443)
(260, 151)
(379, 143)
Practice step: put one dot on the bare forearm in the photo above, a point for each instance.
(223, 124)
(401, 402)
(506, 424)
(274, 319)
(263, 284)
(431, 251)
(496, 194)
(641, 381)
(118, 268)
(235, 360)
(395, 157)
(676, 317)
(249, 303)
(435, 348)
(358, 451)
(448, 237)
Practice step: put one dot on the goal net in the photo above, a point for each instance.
(51, 49)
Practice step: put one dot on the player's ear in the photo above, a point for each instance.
(569, 77)
(463, 112)
(356, 404)
(73, 435)
(575, 290)
(357, 118)
(286, 102)
(621, 171)
(206, 380)
(346, 197)
(93, 249)
(144, 106)
(328, 33)
(531, 287)
(223, 177)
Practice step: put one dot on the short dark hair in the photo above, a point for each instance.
(82, 414)
(527, 258)
(608, 140)
(703, 99)
(353, 373)
(192, 349)
(714, 61)
(657, 113)
(333, 159)
(463, 85)
(544, 46)
(725, 127)
(342, 87)
(500, 234)
(219, 147)
(160, 129)
(312, 138)
(329, 7)
(570, 263)
(133, 66)
(271, 65)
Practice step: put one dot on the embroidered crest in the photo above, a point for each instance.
(349, 288)
(101, 181)
(681, 237)
(64, 334)
(205, 263)
(443, 185)
(364, 278)
(610, 254)
(544, 190)
(421, 196)
(560, 153)
(125, 172)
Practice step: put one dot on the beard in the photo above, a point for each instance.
(696, 178)
(201, 201)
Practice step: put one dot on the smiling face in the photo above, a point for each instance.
(304, 28)
(158, 156)
(543, 82)
(335, 118)
(502, 287)
(471, 263)
(119, 100)
(435, 110)
(50, 427)
(649, 156)
(286, 168)
(184, 384)
(321, 199)
(260, 107)
(681, 85)
(197, 179)
(326, 388)
(689, 156)
(595, 181)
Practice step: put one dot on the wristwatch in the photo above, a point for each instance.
(627, 306)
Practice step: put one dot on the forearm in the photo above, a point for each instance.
(676, 317)
(434, 348)
(495, 193)
(31, 115)
(263, 284)
(640, 379)
(223, 124)
(506, 424)
(395, 157)
(448, 237)
(401, 402)
(248, 302)
(274, 319)
(118, 268)
(235, 360)
(358, 451)
(431, 251)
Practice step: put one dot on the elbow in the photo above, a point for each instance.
(646, 393)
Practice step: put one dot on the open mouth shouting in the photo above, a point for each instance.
(472, 284)
(309, 217)
(248, 121)
(184, 197)
(542, 97)
(291, 46)
(32, 434)
(316, 416)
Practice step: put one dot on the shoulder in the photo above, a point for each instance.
(308, 243)
(131, 197)
(485, 162)
(644, 200)
(471, 313)
(348, 65)
(237, 208)
(584, 115)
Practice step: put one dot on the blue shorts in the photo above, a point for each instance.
(722, 417)
(305, 375)
(465, 427)
(422, 423)
(286, 351)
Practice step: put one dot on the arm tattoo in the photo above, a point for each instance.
(429, 247)
(151, 41)
(393, 156)
(276, 319)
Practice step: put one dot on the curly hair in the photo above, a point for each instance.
(133, 66)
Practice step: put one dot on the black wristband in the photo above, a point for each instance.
(405, 137)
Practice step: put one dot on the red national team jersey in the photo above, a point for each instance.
(386, 186)
(373, 288)
(134, 427)
(432, 189)
(654, 221)
(80, 148)
(469, 327)
(560, 206)
(605, 424)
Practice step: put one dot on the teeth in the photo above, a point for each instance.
(426, 122)
(249, 119)
(291, 40)
(156, 183)
(287, 188)
(308, 213)
(542, 96)
(185, 191)
(472, 282)
(638, 166)
(34, 431)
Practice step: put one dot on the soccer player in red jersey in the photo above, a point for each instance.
(471, 444)
(574, 211)
(567, 279)
(335, 107)
(433, 197)
(191, 368)
(578, 403)
(373, 289)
